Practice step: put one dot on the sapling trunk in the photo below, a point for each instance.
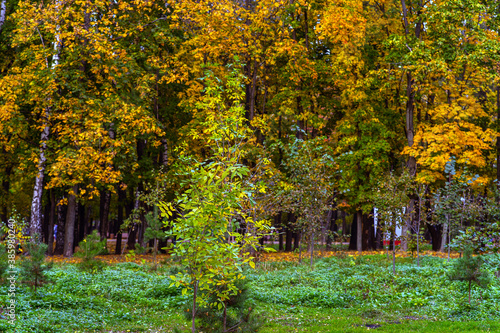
(418, 228)
(312, 248)
(449, 240)
(445, 233)
(155, 249)
(300, 254)
(224, 317)
(394, 255)
(193, 314)
(394, 260)
(418, 243)
(387, 245)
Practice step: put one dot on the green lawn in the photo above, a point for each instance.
(339, 295)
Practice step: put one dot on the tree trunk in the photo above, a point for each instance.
(224, 317)
(46, 222)
(88, 221)
(288, 239)
(379, 236)
(3, 11)
(82, 222)
(311, 246)
(119, 222)
(296, 241)
(498, 137)
(132, 234)
(359, 232)
(354, 232)
(141, 230)
(368, 232)
(104, 216)
(251, 88)
(332, 227)
(410, 109)
(129, 208)
(36, 203)
(278, 226)
(419, 220)
(61, 212)
(164, 152)
(289, 233)
(394, 255)
(443, 236)
(4, 215)
(69, 233)
(52, 218)
(193, 314)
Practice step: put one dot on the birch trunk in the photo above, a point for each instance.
(3, 11)
(36, 203)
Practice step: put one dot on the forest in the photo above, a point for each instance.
(208, 135)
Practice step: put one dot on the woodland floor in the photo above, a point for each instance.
(345, 292)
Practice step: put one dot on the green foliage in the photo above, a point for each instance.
(118, 298)
(307, 184)
(89, 248)
(237, 313)
(124, 297)
(154, 231)
(211, 206)
(469, 269)
(3, 260)
(391, 197)
(139, 249)
(33, 267)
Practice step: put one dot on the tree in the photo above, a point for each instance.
(33, 266)
(154, 231)
(210, 209)
(307, 188)
(79, 85)
(391, 198)
(468, 269)
(452, 203)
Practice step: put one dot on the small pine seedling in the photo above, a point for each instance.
(468, 269)
(33, 265)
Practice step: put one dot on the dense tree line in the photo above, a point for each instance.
(97, 97)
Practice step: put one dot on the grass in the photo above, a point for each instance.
(346, 293)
